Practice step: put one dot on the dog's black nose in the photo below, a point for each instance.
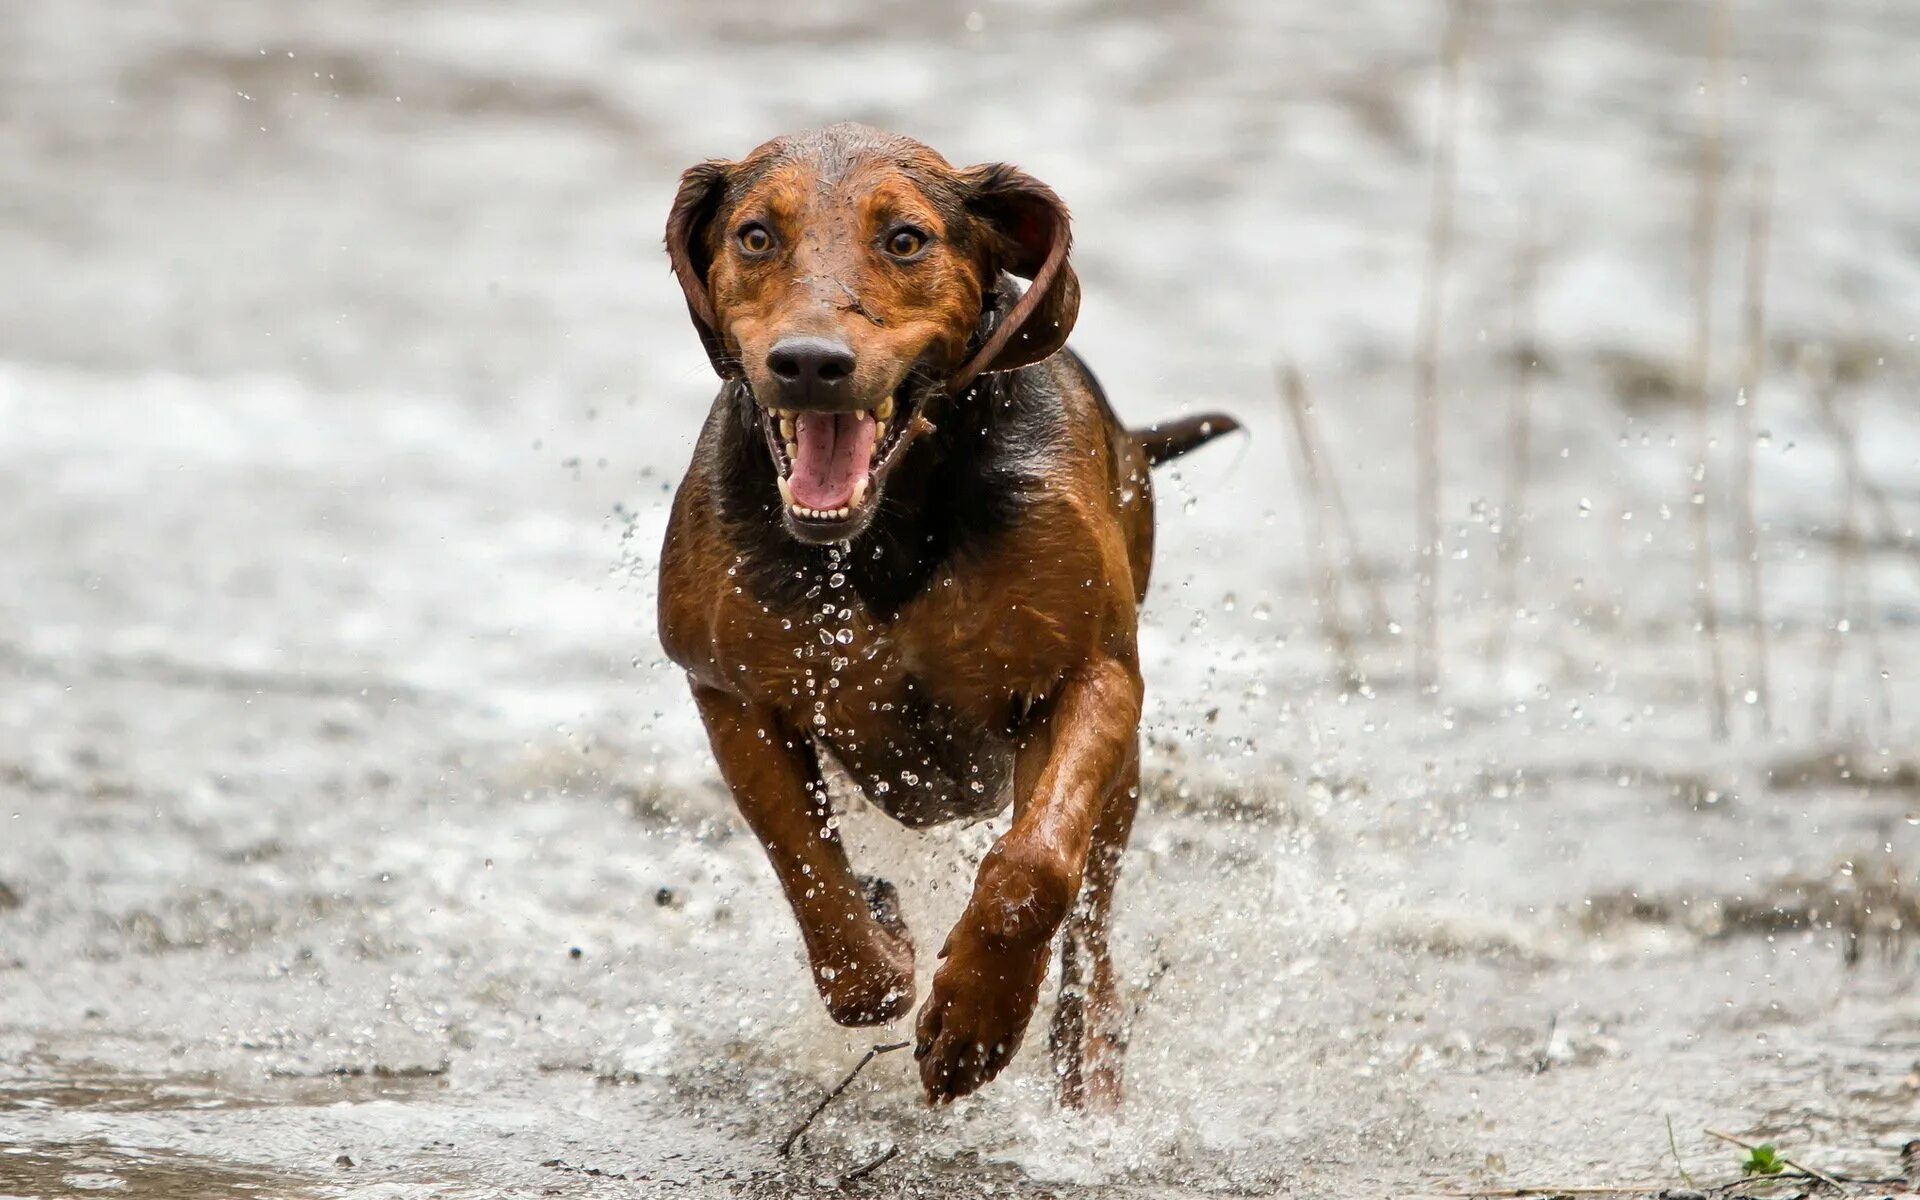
(811, 370)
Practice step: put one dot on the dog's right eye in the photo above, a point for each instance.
(754, 239)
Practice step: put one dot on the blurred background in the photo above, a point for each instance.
(1531, 773)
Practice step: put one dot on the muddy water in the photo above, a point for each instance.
(357, 841)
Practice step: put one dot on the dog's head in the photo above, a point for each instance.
(843, 275)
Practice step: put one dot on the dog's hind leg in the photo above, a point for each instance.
(1089, 1034)
(883, 901)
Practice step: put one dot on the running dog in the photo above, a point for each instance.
(912, 544)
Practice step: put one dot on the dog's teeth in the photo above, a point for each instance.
(793, 450)
(786, 491)
(787, 431)
(814, 514)
(885, 411)
(879, 433)
(859, 492)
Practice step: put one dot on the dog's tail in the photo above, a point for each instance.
(1171, 439)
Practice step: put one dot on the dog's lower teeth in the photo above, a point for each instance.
(786, 491)
(879, 433)
(793, 449)
(787, 432)
(859, 493)
(815, 514)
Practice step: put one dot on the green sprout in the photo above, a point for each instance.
(1763, 1160)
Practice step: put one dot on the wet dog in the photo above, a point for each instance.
(912, 543)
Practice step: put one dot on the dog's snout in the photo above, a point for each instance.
(811, 370)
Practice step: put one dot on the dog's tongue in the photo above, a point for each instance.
(835, 451)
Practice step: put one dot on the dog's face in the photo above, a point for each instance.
(842, 275)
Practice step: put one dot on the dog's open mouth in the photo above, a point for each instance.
(830, 464)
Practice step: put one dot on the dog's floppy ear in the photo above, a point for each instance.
(694, 207)
(1028, 231)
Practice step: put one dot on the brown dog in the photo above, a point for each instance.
(914, 538)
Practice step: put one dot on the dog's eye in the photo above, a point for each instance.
(754, 239)
(905, 242)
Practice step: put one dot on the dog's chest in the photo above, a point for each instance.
(908, 707)
(920, 761)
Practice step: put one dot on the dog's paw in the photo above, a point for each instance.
(976, 1014)
(873, 987)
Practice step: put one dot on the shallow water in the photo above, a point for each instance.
(351, 811)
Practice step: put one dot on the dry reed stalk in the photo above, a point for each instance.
(1706, 216)
(1327, 480)
(1839, 579)
(1822, 1176)
(1327, 589)
(1753, 370)
(1851, 590)
(1888, 522)
(1426, 403)
(1513, 509)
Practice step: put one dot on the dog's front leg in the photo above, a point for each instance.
(996, 956)
(863, 967)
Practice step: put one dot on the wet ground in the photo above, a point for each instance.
(358, 842)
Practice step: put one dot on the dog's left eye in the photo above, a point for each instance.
(905, 242)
